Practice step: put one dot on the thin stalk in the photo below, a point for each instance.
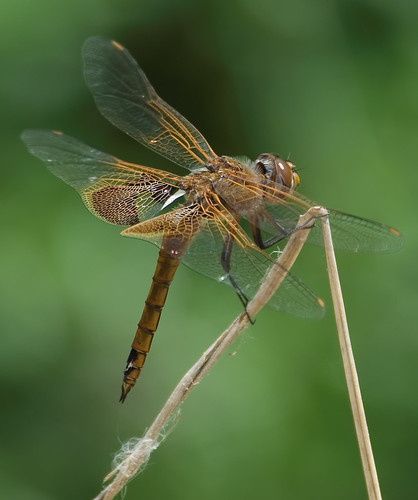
(357, 408)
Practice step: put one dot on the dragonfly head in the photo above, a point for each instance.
(277, 170)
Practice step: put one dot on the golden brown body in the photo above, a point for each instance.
(148, 324)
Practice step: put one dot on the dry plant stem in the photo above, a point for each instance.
(141, 452)
(356, 402)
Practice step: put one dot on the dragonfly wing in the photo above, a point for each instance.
(206, 234)
(248, 268)
(117, 192)
(126, 98)
(349, 233)
(356, 234)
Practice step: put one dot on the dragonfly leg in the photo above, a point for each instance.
(283, 231)
(226, 265)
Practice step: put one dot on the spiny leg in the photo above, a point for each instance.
(283, 231)
(226, 265)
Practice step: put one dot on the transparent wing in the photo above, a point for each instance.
(125, 97)
(117, 192)
(207, 232)
(349, 232)
(249, 266)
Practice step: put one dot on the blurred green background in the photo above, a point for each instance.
(333, 84)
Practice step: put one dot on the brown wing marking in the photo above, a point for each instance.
(127, 201)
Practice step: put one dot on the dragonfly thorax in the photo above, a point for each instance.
(197, 186)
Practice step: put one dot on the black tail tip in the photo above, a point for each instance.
(126, 387)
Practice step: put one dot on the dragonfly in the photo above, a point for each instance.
(225, 218)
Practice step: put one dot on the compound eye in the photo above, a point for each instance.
(285, 171)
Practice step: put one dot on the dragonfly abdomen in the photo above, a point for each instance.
(148, 324)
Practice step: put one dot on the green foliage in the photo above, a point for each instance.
(333, 85)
